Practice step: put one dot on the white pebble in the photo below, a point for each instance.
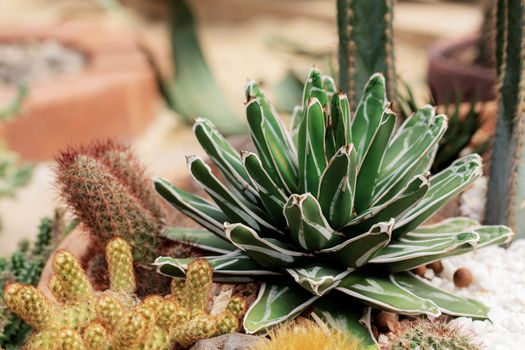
(499, 282)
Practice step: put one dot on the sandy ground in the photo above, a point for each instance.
(236, 50)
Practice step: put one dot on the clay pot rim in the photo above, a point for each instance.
(440, 55)
(94, 55)
(113, 96)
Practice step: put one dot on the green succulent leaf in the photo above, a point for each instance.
(337, 187)
(353, 318)
(329, 84)
(415, 249)
(225, 157)
(340, 129)
(368, 115)
(317, 278)
(202, 239)
(488, 235)
(276, 303)
(271, 117)
(383, 293)
(272, 197)
(448, 303)
(237, 209)
(444, 186)
(369, 169)
(405, 152)
(450, 225)
(311, 148)
(297, 117)
(408, 197)
(357, 251)
(314, 87)
(229, 268)
(308, 226)
(277, 159)
(203, 212)
(268, 252)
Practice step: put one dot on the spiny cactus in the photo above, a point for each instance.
(197, 286)
(124, 165)
(366, 45)
(307, 335)
(506, 191)
(120, 263)
(25, 266)
(429, 335)
(82, 318)
(104, 185)
(104, 202)
(70, 276)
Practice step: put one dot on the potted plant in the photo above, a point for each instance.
(84, 81)
(465, 63)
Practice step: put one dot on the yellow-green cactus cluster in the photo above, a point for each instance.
(81, 318)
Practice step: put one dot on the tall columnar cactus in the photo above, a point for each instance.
(335, 205)
(366, 45)
(81, 318)
(506, 190)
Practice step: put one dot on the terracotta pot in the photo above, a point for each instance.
(446, 74)
(77, 242)
(114, 96)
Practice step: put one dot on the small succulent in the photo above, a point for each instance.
(423, 334)
(331, 211)
(81, 318)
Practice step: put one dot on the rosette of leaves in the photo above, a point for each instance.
(330, 212)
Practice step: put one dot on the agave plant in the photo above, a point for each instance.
(334, 205)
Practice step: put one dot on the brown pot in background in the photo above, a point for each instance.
(114, 96)
(447, 72)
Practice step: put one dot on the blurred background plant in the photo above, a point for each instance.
(192, 81)
(12, 174)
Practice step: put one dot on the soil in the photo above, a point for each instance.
(35, 61)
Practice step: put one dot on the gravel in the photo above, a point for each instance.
(28, 62)
(499, 282)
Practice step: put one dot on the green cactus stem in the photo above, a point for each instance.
(116, 319)
(506, 189)
(366, 45)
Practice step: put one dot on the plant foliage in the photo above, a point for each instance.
(335, 205)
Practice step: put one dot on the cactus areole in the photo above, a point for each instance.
(335, 205)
